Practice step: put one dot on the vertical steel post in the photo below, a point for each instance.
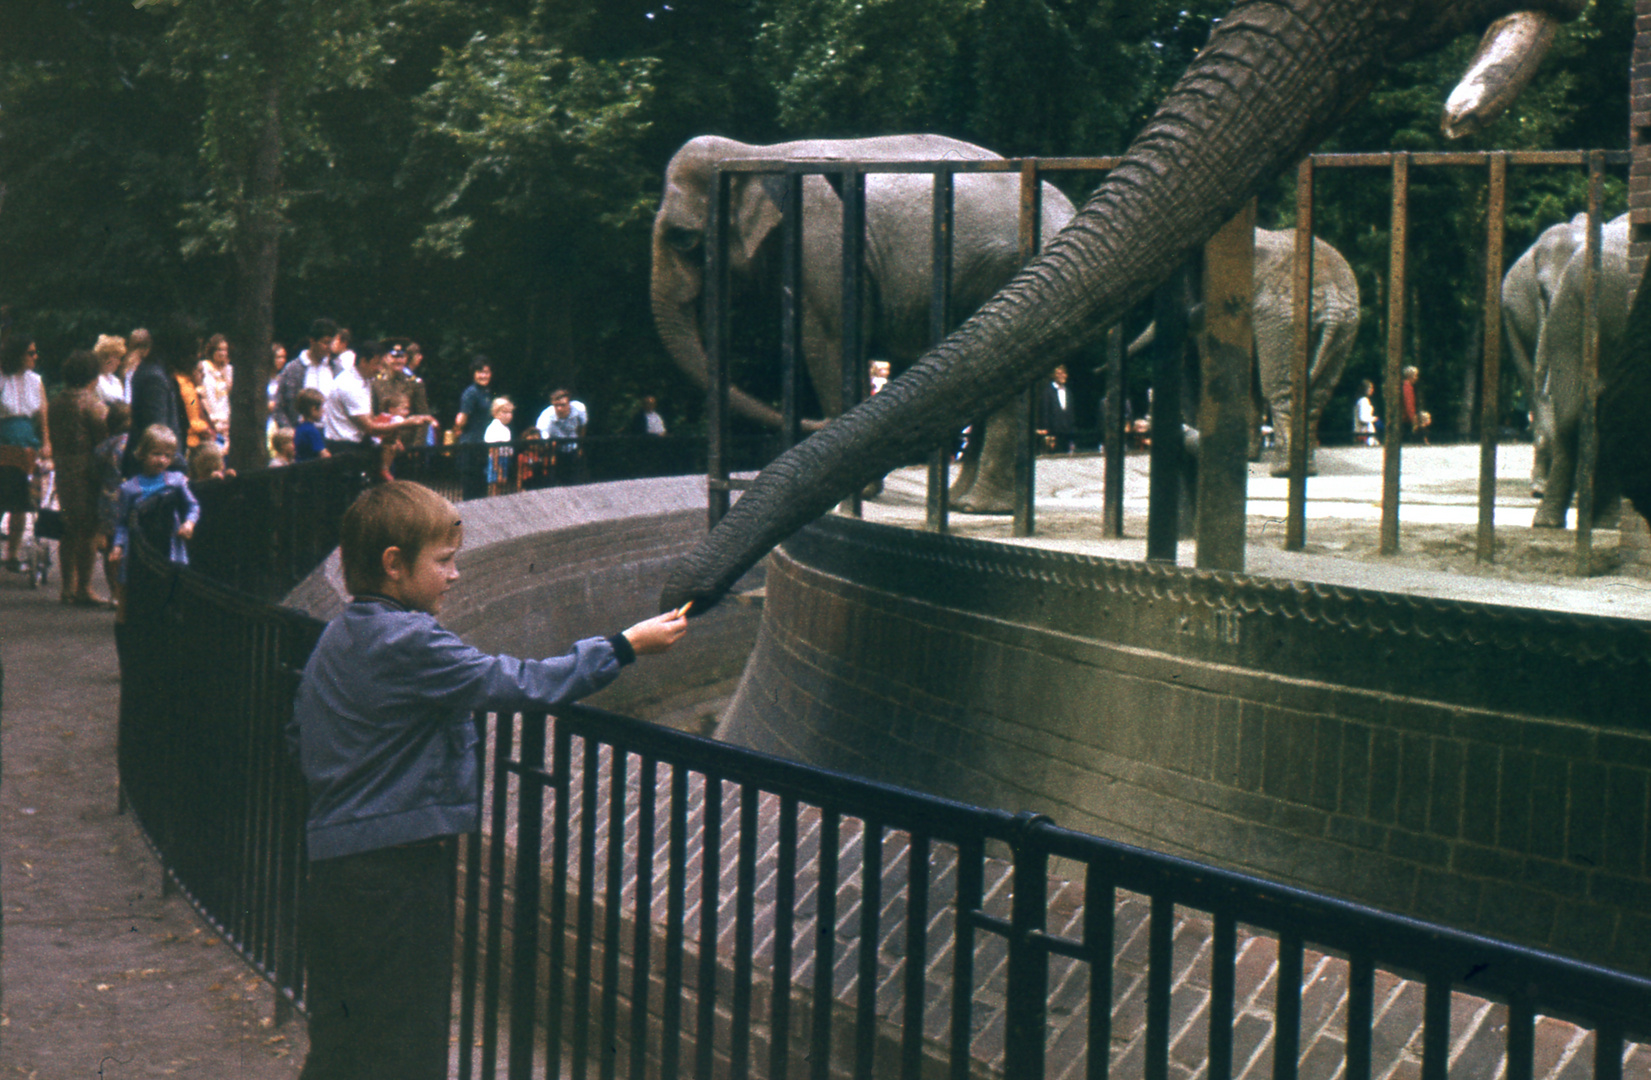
(1027, 1017)
(716, 349)
(524, 951)
(791, 305)
(1031, 218)
(1490, 379)
(1168, 368)
(1115, 438)
(1393, 437)
(1587, 432)
(1295, 517)
(937, 507)
(1224, 405)
(853, 374)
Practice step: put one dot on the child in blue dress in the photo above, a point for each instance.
(157, 447)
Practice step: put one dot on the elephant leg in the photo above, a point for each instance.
(1281, 438)
(993, 490)
(1556, 497)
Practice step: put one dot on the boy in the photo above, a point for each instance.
(384, 733)
(307, 438)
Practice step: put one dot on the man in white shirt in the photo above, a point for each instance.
(347, 420)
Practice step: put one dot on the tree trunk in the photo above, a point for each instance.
(257, 258)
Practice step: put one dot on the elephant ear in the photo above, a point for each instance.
(756, 206)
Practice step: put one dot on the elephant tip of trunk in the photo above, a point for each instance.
(680, 589)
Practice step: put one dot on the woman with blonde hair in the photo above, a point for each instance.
(110, 350)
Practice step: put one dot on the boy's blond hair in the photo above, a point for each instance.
(500, 404)
(396, 514)
(153, 438)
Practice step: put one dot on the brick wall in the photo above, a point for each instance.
(1639, 142)
(1483, 766)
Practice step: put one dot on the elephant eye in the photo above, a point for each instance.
(681, 239)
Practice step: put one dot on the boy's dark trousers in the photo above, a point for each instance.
(379, 926)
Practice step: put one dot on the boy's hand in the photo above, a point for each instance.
(114, 554)
(657, 634)
(186, 530)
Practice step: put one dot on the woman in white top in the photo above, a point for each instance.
(214, 376)
(22, 423)
(110, 351)
(1364, 414)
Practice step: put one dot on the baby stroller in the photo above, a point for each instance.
(26, 487)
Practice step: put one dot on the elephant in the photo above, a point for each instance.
(1558, 362)
(1335, 318)
(1335, 327)
(899, 242)
(1274, 79)
(1527, 294)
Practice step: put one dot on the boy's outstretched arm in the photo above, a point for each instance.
(657, 634)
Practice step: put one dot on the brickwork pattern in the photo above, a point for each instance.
(1478, 1027)
(1149, 712)
(1639, 143)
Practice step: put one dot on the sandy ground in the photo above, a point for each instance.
(1438, 528)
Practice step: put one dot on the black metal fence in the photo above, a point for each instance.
(704, 910)
(848, 178)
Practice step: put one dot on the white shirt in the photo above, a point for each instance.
(576, 411)
(112, 388)
(351, 396)
(1364, 416)
(22, 394)
(318, 377)
(498, 431)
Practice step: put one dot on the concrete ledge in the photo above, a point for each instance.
(1483, 766)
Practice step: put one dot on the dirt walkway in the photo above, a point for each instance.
(103, 977)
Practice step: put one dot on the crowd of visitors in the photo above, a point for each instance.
(337, 397)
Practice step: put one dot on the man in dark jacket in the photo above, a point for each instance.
(156, 398)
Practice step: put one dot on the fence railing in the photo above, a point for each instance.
(848, 178)
(688, 896)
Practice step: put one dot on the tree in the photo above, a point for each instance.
(259, 64)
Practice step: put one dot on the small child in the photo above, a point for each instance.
(498, 437)
(396, 408)
(281, 443)
(157, 446)
(307, 438)
(206, 462)
(384, 729)
(106, 460)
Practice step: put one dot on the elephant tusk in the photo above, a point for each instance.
(1509, 54)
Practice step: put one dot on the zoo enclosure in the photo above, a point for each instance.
(827, 867)
(1222, 539)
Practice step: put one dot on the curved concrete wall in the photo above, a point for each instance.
(542, 569)
(1487, 767)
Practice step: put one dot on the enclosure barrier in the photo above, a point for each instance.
(960, 941)
(848, 179)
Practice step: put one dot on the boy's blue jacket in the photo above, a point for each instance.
(383, 724)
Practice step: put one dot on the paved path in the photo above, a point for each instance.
(103, 977)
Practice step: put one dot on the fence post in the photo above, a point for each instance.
(1028, 994)
(716, 350)
(1224, 405)
(1587, 433)
(1301, 370)
(1031, 220)
(1114, 437)
(791, 305)
(937, 506)
(524, 934)
(1490, 382)
(1393, 437)
(854, 295)
(1168, 369)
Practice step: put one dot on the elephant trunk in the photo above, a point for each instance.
(679, 328)
(1272, 80)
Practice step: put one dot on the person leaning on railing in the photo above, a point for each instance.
(384, 730)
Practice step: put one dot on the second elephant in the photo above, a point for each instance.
(1335, 326)
(1559, 367)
